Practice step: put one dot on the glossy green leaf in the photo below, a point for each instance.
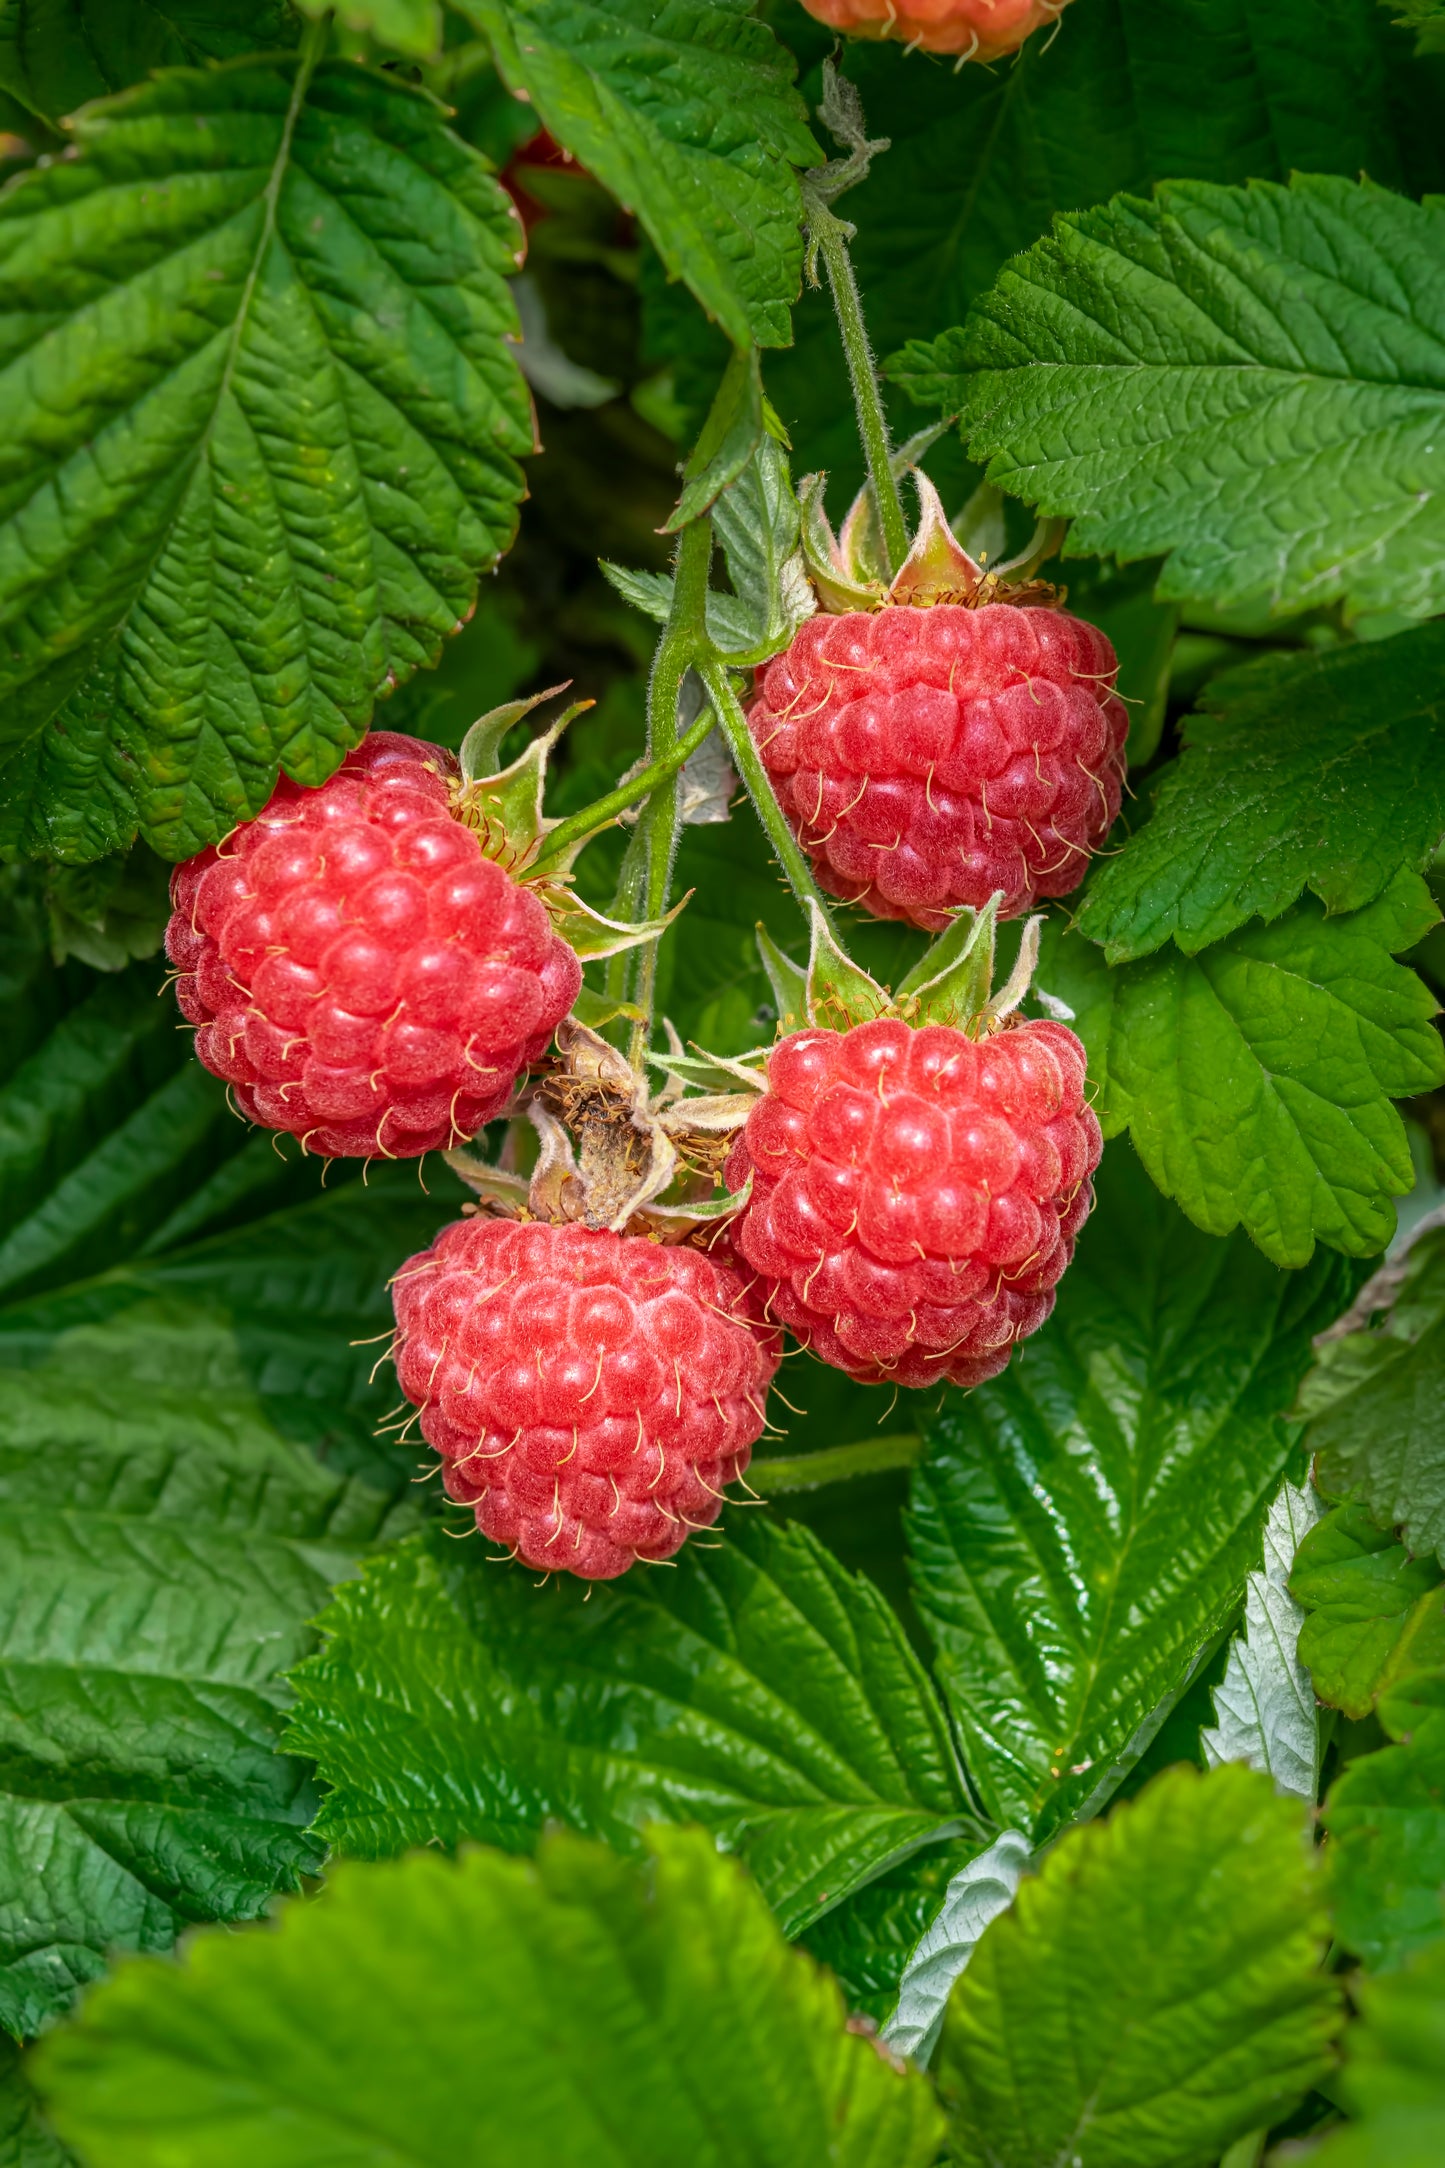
(1252, 380)
(689, 116)
(55, 55)
(1265, 1712)
(1082, 1527)
(1386, 1821)
(1255, 1078)
(760, 1690)
(584, 2009)
(1376, 1403)
(977, 1894)
(1153, 1993)
(262, 305)
(1375, 1614)
(1305, 771)
(1394, 2074)
(868, 1939)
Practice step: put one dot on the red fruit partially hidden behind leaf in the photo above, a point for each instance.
(973, 29)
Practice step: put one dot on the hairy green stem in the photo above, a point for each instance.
(835, 1464)
(603, 811)
(748, 762)
(682, 644)
(872, 422)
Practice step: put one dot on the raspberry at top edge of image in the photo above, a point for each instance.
(916, 1194)
(359, 972)
(931, 758)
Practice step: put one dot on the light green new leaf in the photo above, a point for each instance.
(263, 306)
(1376, 1404)
(1386, 1821)
(1256, 1077)
(1319, 771)
(1153, 1993)
(688, 114)
(461, 2013)
(413, 27)
(1394, 2074)
(1081, 1529)
(760, 1689)
(56, 55)
(1251, 379)
(1375, 1614)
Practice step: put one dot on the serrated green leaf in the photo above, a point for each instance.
(689, 116)
(1394, 2074)
(226, 323)
(1319, 771)
(1081, 1529)
(1265, 1713)
(1255, 1078)
(1376, 1404)
(1252, 380)
(729, 438)
(759, 1689)
(977, 1894)
(867, 1940)
(55, 55)
(1153, 1993)
(1375, 1614)
(592, 2010)
(1386, 1821)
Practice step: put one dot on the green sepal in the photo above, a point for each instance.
(715, 1072)
(836, 589)
(482, 746)
(589, 935)
(953, 982)
(840, 992)
(730, 435)
(788, 981)
(597, 1011)
(506, 807)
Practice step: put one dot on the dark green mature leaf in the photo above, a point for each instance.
(688, 114)
(263, 305)
(868, 1940)
(1386, 1821)
(57, 54)
(1394, 2074)
(1082, 1527)
(24, 2140)
(583, 2009)
(1153, 1993)
(1252, 380)
(1376, 1404)
(1319, 771)
(1256, 1077)
(1376, 1614)
(760, 1689)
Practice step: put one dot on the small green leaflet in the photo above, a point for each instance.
(225, 326)
(760, 1690)
(1081, 1529)
(1153, 1993)
(1265, 1711)
(413, 27)
(1386, 1821)
(689, 116)
(1256, 1077)
(1319, 771)
(1252, 379)
(1375, 1614)
(55, 55)
(581, 2008)
(1394, 2074)
(1376, 1404)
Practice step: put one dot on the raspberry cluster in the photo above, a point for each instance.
(977, 29)
(592, 1394)
(359, 973)
(927, 758)
(916, 1194)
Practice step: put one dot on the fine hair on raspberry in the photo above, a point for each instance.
(916, 1193)
(358, 971)
(592, 1395)
(980, 30)
(928, 758)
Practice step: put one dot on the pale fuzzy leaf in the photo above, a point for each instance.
(1265, 1706)
(976, 1895)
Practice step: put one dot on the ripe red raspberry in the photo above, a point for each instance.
(975, 29)
(360, 974)
(916, 1194)
(591, 1394)
(927, 758)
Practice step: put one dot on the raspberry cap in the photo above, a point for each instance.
(591, 1394)
(916, 1192)
(980, 30)
(359, 971)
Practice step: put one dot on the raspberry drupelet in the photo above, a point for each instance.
(591, 1394)
(980, 30)
(928, 758)
(916, 1193)
(359, 972)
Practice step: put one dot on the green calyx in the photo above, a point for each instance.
(952, 983)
